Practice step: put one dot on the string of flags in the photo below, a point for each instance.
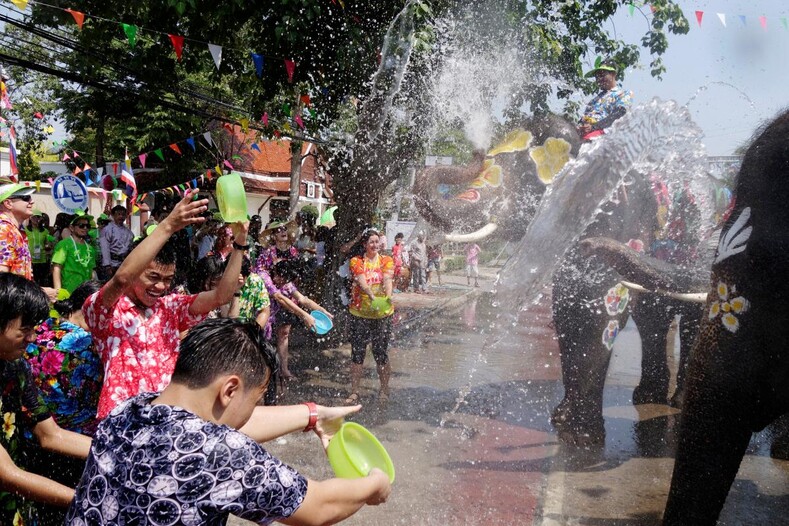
(723, 18)
(132, 32)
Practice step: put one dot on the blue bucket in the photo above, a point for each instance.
(323, 323)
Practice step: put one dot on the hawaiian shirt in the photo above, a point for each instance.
(68, 373)
(606, 104)
(14, 250)
(374, 271)
(254, 297)
(21, 408)
(162, 465)
(137, 347)
(288, 290)
(77, 261)
(270, 256)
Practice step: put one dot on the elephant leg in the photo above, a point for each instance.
(689, 322)
(779, 448)
(713, 436)
(653, 316)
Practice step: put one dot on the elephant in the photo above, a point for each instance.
(738, 374)
(501, 192)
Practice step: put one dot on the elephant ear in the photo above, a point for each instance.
(550, 158)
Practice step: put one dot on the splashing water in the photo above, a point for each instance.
(655, 137)
(706, 87)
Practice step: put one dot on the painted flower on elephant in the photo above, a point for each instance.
(515, 141)
(550, 158)
(610, 333)
(616, 299)
(9, 421)
(727, 308)
(492, 174)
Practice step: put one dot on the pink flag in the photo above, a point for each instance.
(763, 22)
(227, 163)
(66, 157)
(298, 120)
(142, 158)
(265, 119)
(290, 67)
(699, 16)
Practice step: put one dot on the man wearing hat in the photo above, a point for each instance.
(607, 106)
(16, 207)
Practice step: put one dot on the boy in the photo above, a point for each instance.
(135, 322)
(22, 306)
(185, 456)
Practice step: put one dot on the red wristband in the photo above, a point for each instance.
(313, 416)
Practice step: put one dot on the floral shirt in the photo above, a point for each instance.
(374, 271)
(606, 107)
(14, 250)
(21, 408)
(137, 347)
(270, 256)
(161, 465)
(68, 372)
(254, 297)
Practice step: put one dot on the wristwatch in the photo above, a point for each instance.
(240, 247)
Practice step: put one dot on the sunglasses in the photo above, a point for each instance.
(25, 198)
(82, 225)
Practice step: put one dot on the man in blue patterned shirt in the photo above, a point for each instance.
(190, 454)
(611, 103)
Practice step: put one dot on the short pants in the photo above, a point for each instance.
(472, 270)
(370, 331)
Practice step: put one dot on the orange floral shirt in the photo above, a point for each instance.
(14, 251)
(374, 271)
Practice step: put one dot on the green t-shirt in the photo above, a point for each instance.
(77, 261)
(36, 241)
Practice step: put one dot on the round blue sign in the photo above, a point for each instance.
(70, 193)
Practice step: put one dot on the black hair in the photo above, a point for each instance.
(21, 298)
(399, 235)
(205, 270)
(368, 233)
(225, 346)
(287, 269)
(246, 266)
(118, 208)
(167, 254)
(77, 298)
(62, 220)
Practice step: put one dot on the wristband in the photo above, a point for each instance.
(313, 416)
(240, 247)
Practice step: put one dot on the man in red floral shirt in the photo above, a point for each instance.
(135, 322)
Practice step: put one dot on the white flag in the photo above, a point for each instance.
(208, 139)
(722, 18)
(216, 54)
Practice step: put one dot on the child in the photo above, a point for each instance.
(189, 455)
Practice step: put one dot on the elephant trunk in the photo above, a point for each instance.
(478, 235)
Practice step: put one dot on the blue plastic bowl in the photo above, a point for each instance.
(323, 323)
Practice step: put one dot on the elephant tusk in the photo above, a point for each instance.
(482, 233)
(694, 297)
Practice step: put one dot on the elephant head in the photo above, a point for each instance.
(499, 188)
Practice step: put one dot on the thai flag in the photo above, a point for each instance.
(127, 175)
(12, 157)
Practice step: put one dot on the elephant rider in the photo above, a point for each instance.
(607, 106)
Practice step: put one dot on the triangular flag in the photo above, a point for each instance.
(131, 33)
(191, 142)
(742, 19)
(298, 120)
(20, 4)
(277, 134)
(258, 60)
(77, 170)
(313, 113)
(142, 158)
(194, 183)
(208, 174)
(306, 100)
(699, 16)
(66, 157)
(208, 139)
(50, 180)
(763, 22)
(290, 67)
(159, 153)
(178, 44)
(79, 18)
(174, 147)
(38, 185)
(74, 154)
(127, 175)
(216, 54)
(227, 163)
(722, 18)
(783, 21)
(286, 109)
(86, 167)
(244, 124)
(100, 171)
(631, 8)
(255, 146)
(88, 180)
(265, 119)
(217, 169)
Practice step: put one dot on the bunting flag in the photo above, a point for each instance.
(208, 139)
(66, 157)
(127, 175)
(286, 109)
(742, 19)
(191, 142)
(763, 22)
(131, 33)
(100, 171)
(218, 169)
(258, 60)
(88, 180)
(298, 120)
(12, 152)
(159, 153)
(313, 113)
(79, 18)
(174, 147)
(244, 122)
(290, 67)
(142, 157)
(783, 21)
(306, 100)
(38, 185)
(216, 54)
(178, 44)
(699, 16)
(265, 119)
(722, 18)
(20, 4)
(631, 8)
(255, 147)
(208, 174)
(227, 163)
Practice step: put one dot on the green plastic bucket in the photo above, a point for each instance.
(353, 452)
(231, 198)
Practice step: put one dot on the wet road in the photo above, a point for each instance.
(468, 430)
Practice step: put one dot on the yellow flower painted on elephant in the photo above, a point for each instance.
(9, 421)
(18, 520)
(550, 158)
(515, 141)
(490, 175)
(727, 308)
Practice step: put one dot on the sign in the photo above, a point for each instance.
(395, 227)
(70, 194)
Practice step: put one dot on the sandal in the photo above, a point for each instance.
(352, 399)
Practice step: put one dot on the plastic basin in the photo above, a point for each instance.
(353, 452)
(323, 323)
(381, 303)
(231, 198)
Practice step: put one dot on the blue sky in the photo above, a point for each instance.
(742, 71)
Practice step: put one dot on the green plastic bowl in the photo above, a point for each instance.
(381, 303)
(353, 452)
(231, 198)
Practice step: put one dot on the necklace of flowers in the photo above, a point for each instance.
(78, 256)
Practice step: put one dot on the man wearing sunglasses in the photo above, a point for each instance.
(16, 207)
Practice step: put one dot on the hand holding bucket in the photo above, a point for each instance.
(353, 452)
(231, 198)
